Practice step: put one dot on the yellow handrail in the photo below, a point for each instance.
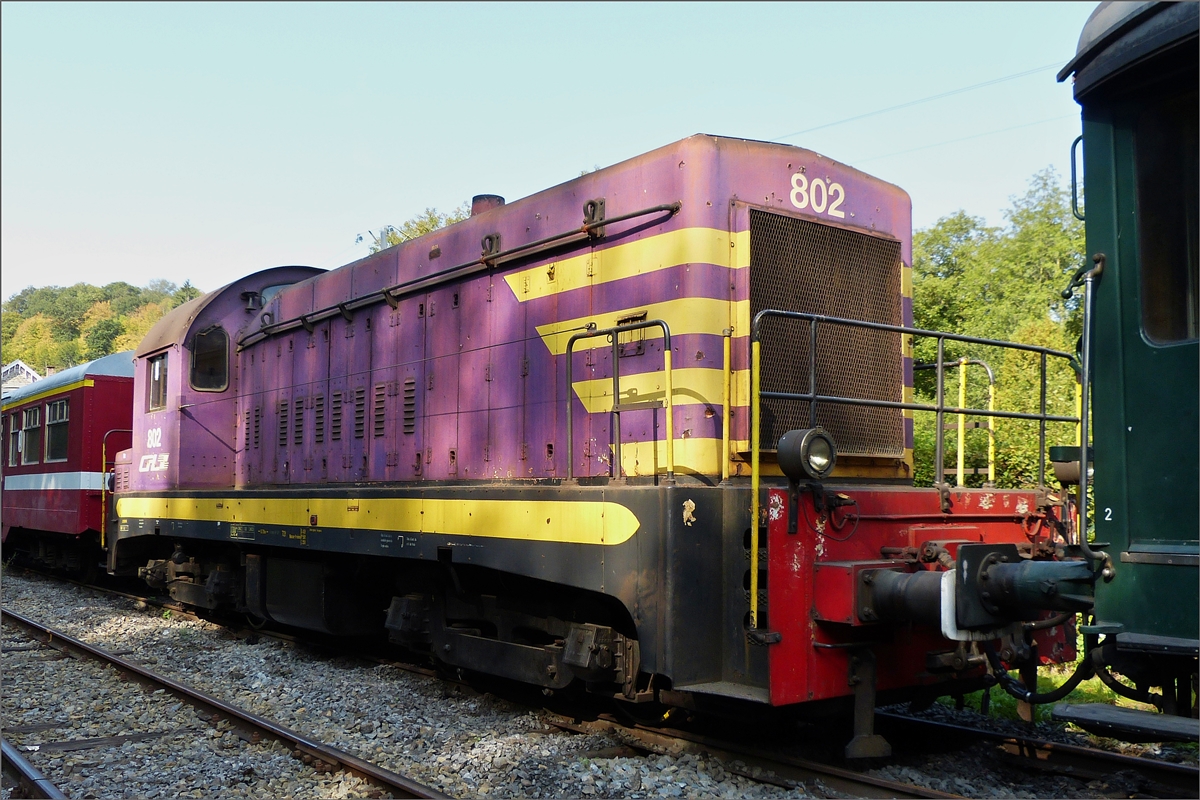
(725, 391)
(962, 418)
(991, 429)
(963, 363)
(104, 484)
(755, 436)
(670, 416)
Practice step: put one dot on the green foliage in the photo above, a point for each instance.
(998, 283)
(427, 221)
(55, 326)
(1004, 706)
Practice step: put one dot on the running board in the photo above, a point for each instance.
(1129, 724)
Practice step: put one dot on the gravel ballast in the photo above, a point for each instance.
(463, 744)
(441, 735)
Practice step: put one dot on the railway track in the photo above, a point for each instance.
(27, 780)
(247, 726)
(1153, 778)
(779, 769)
(782, 770)
(1158, 778)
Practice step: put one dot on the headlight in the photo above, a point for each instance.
(808, 453)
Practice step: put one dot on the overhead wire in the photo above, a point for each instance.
(919, 101)
(967, 138)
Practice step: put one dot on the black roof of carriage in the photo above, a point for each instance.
(1120, 34)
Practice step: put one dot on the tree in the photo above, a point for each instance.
(100, 327)
(9, 322)
(426, 222)
(139, 323)
(33, 342)
(55, 326)
(183, 294)
(999, 283)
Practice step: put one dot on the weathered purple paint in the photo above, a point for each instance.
(487, 387)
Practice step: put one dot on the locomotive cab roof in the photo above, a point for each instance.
(175, 326)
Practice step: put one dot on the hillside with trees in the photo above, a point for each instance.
(60, 326)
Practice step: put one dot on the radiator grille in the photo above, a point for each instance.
(360, 411)
(335, 417)
(298, 426)
(319, 418)
(283, 423)
(410, 405)
(796, 265)
(380, 409)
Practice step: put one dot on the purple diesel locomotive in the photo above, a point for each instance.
(534, 443)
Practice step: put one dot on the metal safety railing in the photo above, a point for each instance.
(104, 484)
(940, 408)
(961, 425)
(613, 335)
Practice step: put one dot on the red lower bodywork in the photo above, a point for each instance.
(813, 575)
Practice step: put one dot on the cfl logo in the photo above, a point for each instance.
(154, 462)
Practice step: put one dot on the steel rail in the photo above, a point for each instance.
(785, 766)
(789, 770)
(1170, 779)
(31, 779)
(384, 778)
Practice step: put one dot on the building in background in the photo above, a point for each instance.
(17, 374)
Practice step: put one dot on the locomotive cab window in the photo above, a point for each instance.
(210, 360)
(57, 418)
(1167, 143)
(14, 440)
(31, 444)
(157, 373)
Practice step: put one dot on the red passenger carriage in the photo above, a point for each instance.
(58, 434)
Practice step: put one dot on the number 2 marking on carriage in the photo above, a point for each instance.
(1108, 515)
(823, 198)
(154, 437)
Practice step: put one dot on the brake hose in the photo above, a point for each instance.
(1018, 690)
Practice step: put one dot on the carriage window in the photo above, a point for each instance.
(210, 360)
(32, 438)
(57, 416)
(158, 382)
(14, 440)
(1167, 142)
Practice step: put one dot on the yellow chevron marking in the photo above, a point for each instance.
(584, 522)
(70, 387)
(683, 315)
(693, 386)
(686, 246)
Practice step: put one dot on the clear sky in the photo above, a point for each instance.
(203, 142)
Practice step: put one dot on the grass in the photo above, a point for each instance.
(1004, 705)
